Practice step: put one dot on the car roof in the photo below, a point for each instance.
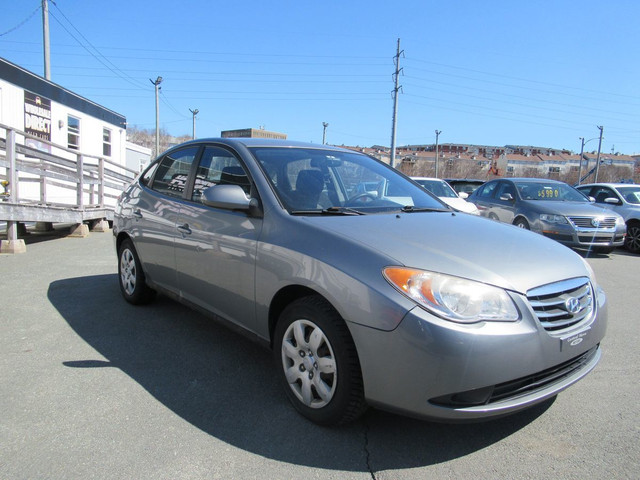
(464, 180)
(428, 178)
(601, 184)
(265, 142)
(531, 179)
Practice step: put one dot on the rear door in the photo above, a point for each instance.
(483, 199)
(156, 211)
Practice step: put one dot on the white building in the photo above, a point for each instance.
(39, 107)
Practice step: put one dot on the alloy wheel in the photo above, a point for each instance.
(309, 363)
(128, 271)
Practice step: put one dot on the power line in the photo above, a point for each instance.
(22, 22)
(97, 55)
(519, 79)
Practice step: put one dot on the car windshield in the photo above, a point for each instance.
(631, 193)
(308, 180)
(439, 188)
(560, 192)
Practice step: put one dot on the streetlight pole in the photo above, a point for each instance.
(598, 156)
(194, 113)
(157, 85)
(324, 132)
(438, 132)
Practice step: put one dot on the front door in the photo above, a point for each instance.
(216, 248)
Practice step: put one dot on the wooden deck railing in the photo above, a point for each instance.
(89, 184)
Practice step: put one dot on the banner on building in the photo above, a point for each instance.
(37, 115)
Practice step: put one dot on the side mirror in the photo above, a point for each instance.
(463, 195)
(506, 197)
(592, 199)
(612, 201)
(230, 197)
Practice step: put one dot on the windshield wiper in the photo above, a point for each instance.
(329, 211)
(412, 209)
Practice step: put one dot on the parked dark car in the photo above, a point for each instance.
(624, 199)
(379, 298)
(553, 209)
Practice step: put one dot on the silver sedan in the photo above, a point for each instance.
(553, 209)
(378, 298)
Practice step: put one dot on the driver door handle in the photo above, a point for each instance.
(184, 228)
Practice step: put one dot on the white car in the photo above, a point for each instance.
(622, 198)
(448, 195)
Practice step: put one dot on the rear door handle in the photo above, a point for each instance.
(185, 229)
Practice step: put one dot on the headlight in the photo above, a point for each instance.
(453, 298)
(546, 217)
(620, 221)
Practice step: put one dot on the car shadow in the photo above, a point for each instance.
(226, 386)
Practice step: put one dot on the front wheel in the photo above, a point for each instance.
(132, 281)
(318, 362)
(632, 240)
(522, 223)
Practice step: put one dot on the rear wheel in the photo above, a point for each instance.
(132, 282)
(632, 240)
(319, 365)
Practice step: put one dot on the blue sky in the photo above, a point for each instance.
(540, 73)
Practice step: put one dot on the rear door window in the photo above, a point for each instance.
(173, 172)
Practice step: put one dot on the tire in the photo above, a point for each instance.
(318, 363)
(522, 223)
(494, 217)
(131, 277)
(632, 240)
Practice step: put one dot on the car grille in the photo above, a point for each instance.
(585, 222)
(562, 305)
(519, 387)
(595, 238)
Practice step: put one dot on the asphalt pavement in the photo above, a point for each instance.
(94, 388)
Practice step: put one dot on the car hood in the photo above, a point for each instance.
(461, 245)
(460, 204)
(566, 208)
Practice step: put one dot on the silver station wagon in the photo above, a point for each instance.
(382, 297)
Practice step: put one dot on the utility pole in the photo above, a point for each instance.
(157, 85)
(438, 132)
(598, 156)
(397, 88)
(194, 113)
(45, 39)
(580, 161)
(324, 132)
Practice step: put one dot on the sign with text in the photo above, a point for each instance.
(37, 116)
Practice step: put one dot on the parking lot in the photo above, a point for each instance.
(94, 388)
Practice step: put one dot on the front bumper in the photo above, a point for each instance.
(433, 368)
(585, 237)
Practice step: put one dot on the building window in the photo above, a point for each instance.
(106, 142)
(554, 169)
(73, 133)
